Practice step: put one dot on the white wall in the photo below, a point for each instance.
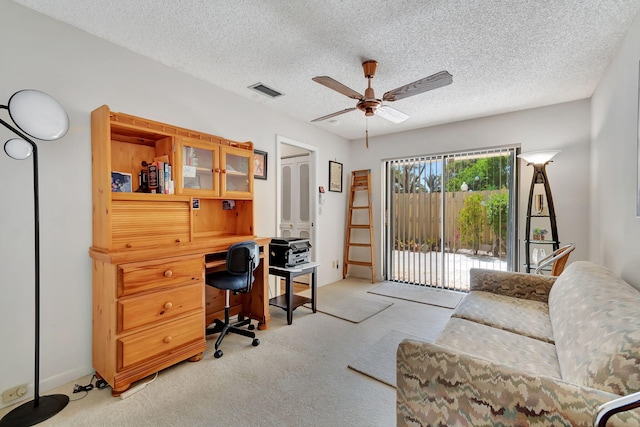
(84, 72)
(564, 127)
(615, 241)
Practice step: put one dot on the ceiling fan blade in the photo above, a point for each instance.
(328, 116)
(337, 86)
(391, 114)
(434, 81)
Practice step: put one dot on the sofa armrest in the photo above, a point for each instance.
(438, 386)
(519, 285)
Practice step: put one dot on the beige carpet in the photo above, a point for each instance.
(421, 294)
(379, 360)
(334, 301)
(297, 376)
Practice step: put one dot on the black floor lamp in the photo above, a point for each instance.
(38, 115)
(539, 161)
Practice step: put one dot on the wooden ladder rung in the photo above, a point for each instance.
(359, 226)
(362, 245)
(362, 263)
(359, 207)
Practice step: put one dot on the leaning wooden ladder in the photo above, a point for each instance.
(360, 181)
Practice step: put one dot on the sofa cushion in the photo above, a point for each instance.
(512, 284)
(595, 318)
(499, 346)
(521, 316)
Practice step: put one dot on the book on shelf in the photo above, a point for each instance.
(164, 176)
(143, 182)
(158, 176)
(167, 178)
(160, 166)
(152, 172)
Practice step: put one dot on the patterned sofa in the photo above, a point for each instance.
(522, 349)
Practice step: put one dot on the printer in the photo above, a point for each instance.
(289, 251)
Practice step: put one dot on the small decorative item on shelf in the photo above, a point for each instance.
(120, 182)
(539, 233)
(539, 204)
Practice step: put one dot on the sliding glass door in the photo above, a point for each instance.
(447, 214)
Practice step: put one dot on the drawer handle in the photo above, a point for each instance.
(168, 305)
(129, 245)
(177, 240)
(167, 340)
(168, 273)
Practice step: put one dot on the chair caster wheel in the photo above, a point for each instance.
(256, 342)
(217, 354)
(251, 327)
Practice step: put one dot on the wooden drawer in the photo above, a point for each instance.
(145, 309)
(142, 276)
(138, 224)
(160, 340)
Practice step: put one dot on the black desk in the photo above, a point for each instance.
(289, 301)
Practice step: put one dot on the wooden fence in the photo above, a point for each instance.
(417, 225)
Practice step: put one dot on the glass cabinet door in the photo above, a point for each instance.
(199, 168)
(237, 172)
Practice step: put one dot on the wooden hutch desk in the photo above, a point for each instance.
(151, 252)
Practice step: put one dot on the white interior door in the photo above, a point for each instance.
(295, 219)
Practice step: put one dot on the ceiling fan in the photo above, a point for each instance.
(370, 105)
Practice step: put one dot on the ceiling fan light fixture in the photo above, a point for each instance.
(391, 114)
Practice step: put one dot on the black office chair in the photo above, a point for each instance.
(242, 259)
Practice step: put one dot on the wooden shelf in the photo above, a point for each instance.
(236, 173)
(149, 197)
(281, 301)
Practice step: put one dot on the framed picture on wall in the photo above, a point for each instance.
(335, 176)
(259, 164)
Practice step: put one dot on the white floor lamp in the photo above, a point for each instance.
(38, 115)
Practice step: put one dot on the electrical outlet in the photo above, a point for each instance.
(14, 393)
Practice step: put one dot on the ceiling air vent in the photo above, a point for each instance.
(271, 93)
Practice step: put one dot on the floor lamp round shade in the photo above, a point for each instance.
(38, 115)
(538, 157)
(18, 149)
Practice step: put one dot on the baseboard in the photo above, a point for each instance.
(50, 383)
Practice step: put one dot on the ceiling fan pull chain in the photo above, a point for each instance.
(366, 132)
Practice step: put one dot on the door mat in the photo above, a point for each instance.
(379, 360)
(421, 294)
(351, 308)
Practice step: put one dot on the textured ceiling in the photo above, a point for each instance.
(504, 55)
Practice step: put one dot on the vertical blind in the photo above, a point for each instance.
(447, 214)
